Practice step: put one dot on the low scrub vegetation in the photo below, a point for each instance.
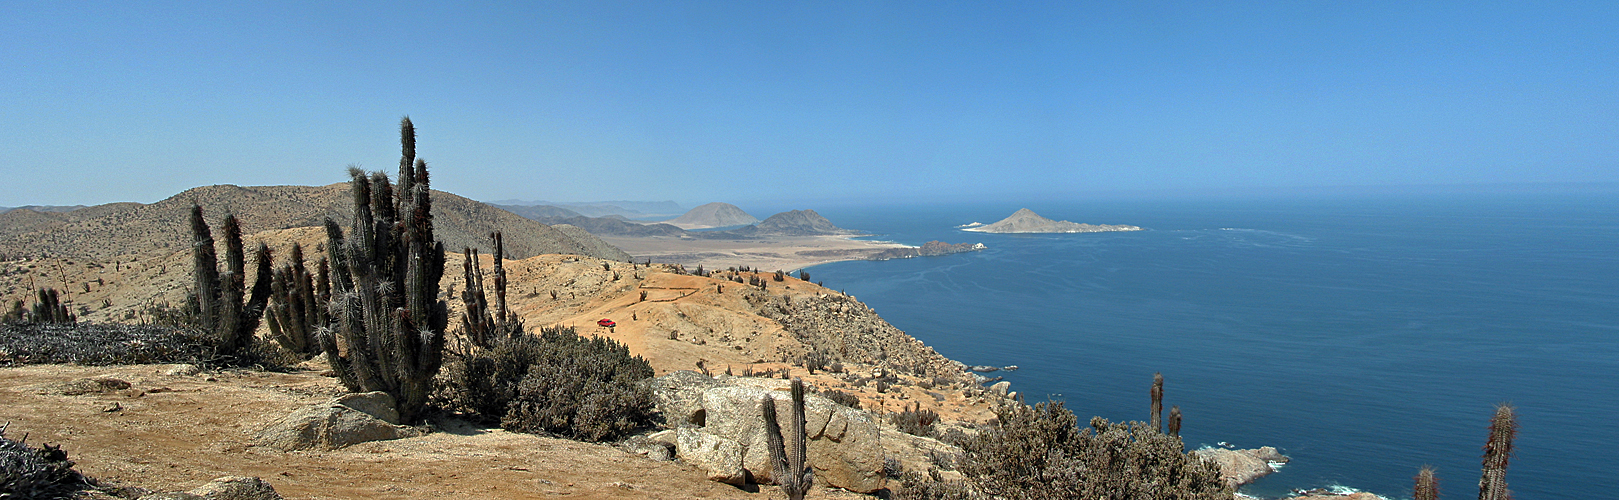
(100, 344)
(556, 382)
(1104, 460)
(915, 420)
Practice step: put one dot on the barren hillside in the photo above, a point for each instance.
(106, 231)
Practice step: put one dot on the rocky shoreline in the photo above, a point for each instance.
(929, 249)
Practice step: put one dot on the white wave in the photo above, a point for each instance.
(972, 224)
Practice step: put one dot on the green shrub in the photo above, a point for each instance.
(555, 382)
(1039, 452)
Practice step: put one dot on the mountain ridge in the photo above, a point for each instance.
(121, 228)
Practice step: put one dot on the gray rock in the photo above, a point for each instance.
(1239, 467)
(844, 444)
(237, 488)
(173, 495)
(720, 457)
(644, 446)
(666, 436)
(1001, 388)
(377, 404)
(678, 397)
(181, 370)
(80, 387)
(328, 427)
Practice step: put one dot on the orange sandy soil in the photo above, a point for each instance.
(178, 432)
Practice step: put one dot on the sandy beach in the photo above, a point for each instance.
(785, 253)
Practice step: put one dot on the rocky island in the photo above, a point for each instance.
(929, 249)
(1026, 221)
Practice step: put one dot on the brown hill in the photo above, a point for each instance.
(792, 223)
(126, 228)
(712, 215)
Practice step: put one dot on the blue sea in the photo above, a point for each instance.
(1362, 335)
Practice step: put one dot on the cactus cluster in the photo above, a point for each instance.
(1492, 484)
(388, 324)
(1157, 423)
(298, 304)
(482, 326)
(220, 304)
(47, 308)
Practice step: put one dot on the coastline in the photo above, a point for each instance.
(787, 253)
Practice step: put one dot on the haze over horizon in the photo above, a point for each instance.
(744, 102)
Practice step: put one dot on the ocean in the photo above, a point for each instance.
(1362, 335)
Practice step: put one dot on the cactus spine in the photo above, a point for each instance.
(1157, 402)
(791, 471)
(388, 331)
(1427, 487)
(1503, 428)
(220, 303)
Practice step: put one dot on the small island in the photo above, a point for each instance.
(1026, 221)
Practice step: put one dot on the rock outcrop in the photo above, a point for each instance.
(346, 420)
(1239, 467)
(720, 428)
(1026, 221)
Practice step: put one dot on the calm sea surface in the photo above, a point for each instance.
(1364, 337)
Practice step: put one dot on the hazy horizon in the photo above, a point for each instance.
(844, 103)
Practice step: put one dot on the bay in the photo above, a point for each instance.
(1363, 335)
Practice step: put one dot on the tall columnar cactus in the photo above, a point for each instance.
(221, 303)
(1175, 421)
(297, 308)
(1157, 402)
(1503, 428)
(388, 324)
(792, 471)
(1427, 487)
(481, 326)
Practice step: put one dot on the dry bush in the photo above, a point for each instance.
(915, 420)
(1039, 452)
(555, 382)
(27, 472)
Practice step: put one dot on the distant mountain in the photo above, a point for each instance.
(123, 228)
(713, 215)
(1026, 221)
(630, 209)
(609, 226)
(794, 223)
(538, 212)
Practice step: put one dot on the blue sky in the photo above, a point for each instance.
(699, 101)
